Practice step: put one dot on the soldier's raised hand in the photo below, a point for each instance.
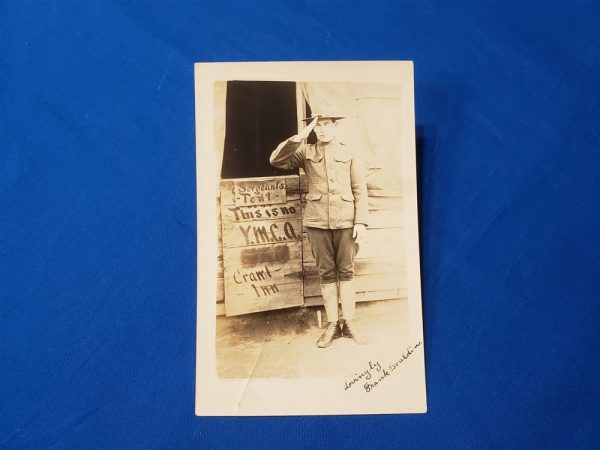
(305, 131)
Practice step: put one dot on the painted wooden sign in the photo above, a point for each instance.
(266, 191)
(262, 248)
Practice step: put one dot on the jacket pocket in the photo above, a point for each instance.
(342, 158)
(347, 208)
(313, 214)
(341, 169)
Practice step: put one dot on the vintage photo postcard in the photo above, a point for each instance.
(309, 296)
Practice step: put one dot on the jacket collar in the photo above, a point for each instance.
(315, 153)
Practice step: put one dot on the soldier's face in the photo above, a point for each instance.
(325, 130)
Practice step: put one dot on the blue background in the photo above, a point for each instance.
(97, 217)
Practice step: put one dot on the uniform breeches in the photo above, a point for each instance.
(334, 252)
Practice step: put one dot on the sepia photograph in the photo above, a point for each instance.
(308, 238)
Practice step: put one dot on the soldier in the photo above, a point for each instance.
(335, 216)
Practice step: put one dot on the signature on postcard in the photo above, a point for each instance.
(375, 372)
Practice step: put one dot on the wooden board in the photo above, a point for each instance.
(219, 242)
(387, 243)
(385, 219)
(364, 266)
(237, 214)
(230, 190)
(261, 254)
(378, 219)
(385, 203)
(220, 272)
(262, 278)
(277, 297)
(262, 251)
(384, 193)
(252, 278)
(369, 296)
(378, 200)
(259, 232)
(220, 290)
(363, 283)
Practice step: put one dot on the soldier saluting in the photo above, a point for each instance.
(335, 216)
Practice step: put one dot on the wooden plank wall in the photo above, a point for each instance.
(379, 266)
(380, 270)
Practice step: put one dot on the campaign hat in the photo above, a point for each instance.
(324, 115)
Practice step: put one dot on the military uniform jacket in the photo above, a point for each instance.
(337, 190)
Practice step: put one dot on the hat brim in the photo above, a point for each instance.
(323, 116)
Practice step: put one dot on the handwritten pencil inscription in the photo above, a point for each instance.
(375, 373)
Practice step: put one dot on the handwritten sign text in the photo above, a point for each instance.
(259, 192)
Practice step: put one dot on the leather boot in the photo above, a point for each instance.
(348, 300)
(330, 301)
(352, 331)
(331, 332)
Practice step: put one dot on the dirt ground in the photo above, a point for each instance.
(282, 344)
